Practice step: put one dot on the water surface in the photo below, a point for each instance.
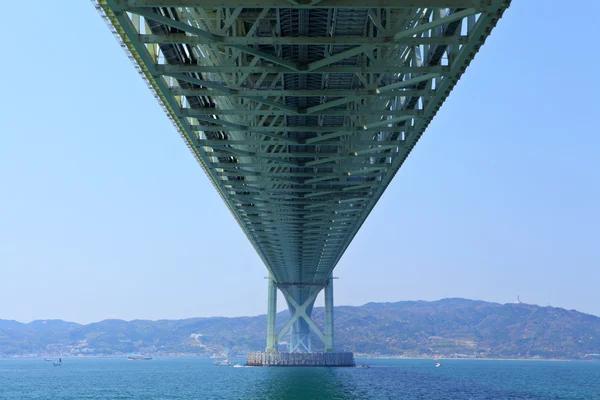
(197, 378)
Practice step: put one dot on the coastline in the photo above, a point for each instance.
(359, 357)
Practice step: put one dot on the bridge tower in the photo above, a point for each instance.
(300, 302)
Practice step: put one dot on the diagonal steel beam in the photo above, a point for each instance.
(300, 312)
(314, 66)
(435, 23)
(291, 66)
(226, 91)
(383, 89)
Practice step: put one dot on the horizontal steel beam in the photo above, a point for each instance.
(284, 129)
(313, 177)
(297, 202)
(196, 112)
(359, 164)
(278, 191)
(336, 155)
(310, 245)
(307, 40)
(249, 93)
(291, 284)
(480, 4)
(168, 69)
(266, 143)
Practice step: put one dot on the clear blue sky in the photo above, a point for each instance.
(104, 213)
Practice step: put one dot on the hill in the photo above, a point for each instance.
(450, 327)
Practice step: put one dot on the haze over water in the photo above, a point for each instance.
(98, 378)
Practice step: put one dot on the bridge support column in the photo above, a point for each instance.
(300, 299)
(329, 315)
(271, 317)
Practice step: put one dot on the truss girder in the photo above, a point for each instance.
(394, 4)
(301, 113)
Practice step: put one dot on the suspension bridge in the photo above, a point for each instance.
(301, 112)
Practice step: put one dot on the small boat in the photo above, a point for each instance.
(437, 365)
(239, 366)
(138, 358)
(223, 363)
(363, 366)
(58, 363)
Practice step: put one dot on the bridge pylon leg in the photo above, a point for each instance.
(329, 315)
(271, 317)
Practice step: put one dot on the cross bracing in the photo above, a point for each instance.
(301, 111)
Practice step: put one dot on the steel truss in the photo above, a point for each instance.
(301, 112)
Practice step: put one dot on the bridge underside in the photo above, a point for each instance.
(301, 113)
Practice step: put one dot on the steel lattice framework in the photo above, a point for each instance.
(301, 113)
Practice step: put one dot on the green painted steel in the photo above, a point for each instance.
(301, 113)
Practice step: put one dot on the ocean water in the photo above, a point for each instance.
(196, 378)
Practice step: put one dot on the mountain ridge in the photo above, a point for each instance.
(448, 327)
(285, 311)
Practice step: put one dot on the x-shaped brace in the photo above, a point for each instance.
(300, 312)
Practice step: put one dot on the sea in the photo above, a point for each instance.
(197, 378)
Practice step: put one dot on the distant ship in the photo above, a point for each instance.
(58, 363)
(139, 358)
(223, 363)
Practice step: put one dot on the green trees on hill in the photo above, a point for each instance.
(445, 327)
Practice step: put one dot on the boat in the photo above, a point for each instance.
(437, 365)
(363, 366)
(138, 358)
(223, 363)
(58, 363)
(239, 366)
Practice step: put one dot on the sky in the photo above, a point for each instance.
(104, 213)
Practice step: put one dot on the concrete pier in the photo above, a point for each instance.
(281, 359)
